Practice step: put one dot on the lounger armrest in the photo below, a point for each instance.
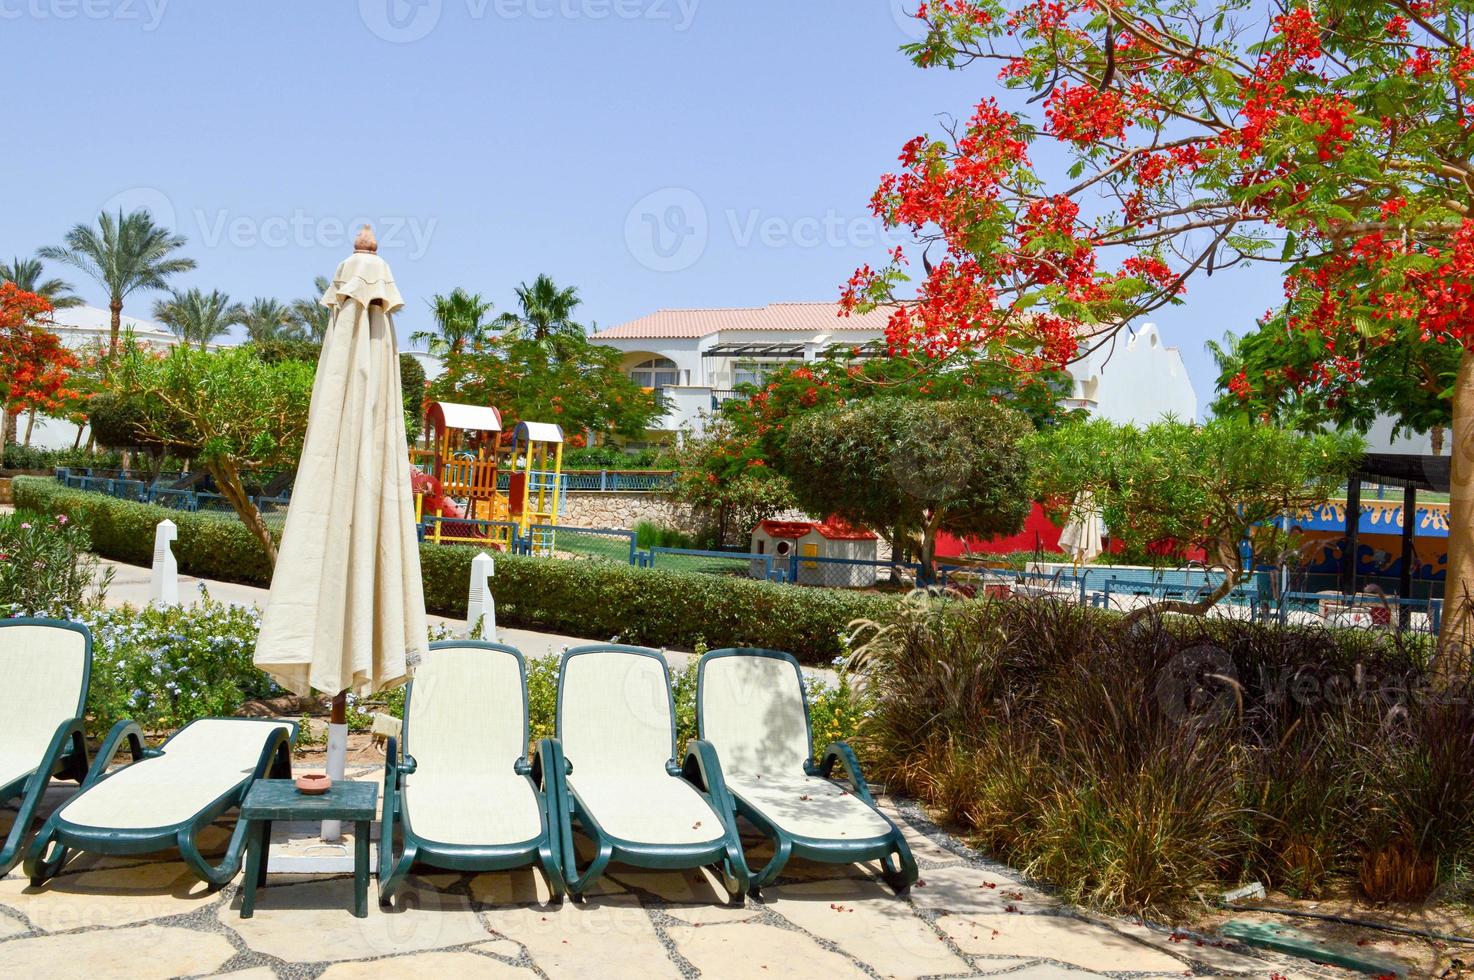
(842, 753)
(704, 769)
(548, 759)
(136, 746)
(392, 769)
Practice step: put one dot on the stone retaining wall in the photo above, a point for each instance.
(591, 508)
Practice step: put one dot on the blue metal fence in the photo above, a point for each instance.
(1359, 611)
(1117, 590)
(845, 573)
(731, 563)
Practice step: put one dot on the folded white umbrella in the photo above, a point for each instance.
(347, 607)
(1081, 536)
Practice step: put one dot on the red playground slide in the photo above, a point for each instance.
(437, 504)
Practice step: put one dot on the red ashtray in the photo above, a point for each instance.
(314, 784)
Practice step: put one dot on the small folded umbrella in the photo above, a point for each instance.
(347, 607)
(1081, 536)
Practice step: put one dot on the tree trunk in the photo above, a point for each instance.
(116, 306)
(1435, 440)
(1454, 636)
(228, 478)
(30, 425)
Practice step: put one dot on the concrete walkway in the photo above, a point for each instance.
(147, 917)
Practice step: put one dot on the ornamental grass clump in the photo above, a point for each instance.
(1146, 766)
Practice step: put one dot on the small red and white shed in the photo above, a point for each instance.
(810, 540)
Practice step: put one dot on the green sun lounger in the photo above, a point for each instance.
(166, 796)
(614, 772)
(458, 783)
(753, 715)
(46, 664)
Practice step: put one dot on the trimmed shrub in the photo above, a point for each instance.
(595, 599)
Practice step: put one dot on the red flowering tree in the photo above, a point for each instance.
(34, 365)
(1330, 137)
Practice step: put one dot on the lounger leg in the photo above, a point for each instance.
(401, 868)
(900, 879)
(552, 868)
(215, 875)
(40, 866)
(782, 851)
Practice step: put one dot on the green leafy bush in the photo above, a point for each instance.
(1138, 766)
(45, 569)
(598, 600)
(19, 457)
(648, 534)
(166, 666)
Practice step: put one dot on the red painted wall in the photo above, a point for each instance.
(1039, 533)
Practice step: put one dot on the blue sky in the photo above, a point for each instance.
(655, 153)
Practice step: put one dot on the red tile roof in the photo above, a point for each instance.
(834, 529)
(796, 317)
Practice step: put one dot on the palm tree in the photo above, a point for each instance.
(198, 317)
(309, 313)
(460, 320)
(547, 311)
(123, 254)
(26, 274)
(267, 319)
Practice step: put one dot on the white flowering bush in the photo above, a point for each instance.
(164, 667)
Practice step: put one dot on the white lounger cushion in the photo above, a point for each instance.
(807, 806)
(43, 667)
(467, 729)
(485, 811)
(616, 727)
(647, 807)
(199, 765)
(752, 710)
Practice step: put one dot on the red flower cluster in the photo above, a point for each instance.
(1081, 114)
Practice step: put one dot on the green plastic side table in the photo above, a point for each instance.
(269, 800)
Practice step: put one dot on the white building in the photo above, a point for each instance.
(695, 358)
(88, 328)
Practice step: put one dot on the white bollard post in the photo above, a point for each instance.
(164, 586)
(480, 606)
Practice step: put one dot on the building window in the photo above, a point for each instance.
(655, 373)
(755, 372)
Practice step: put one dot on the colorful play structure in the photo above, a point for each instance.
(459, 497)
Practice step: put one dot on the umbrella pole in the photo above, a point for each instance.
(332, 830)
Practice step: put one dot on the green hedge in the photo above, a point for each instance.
(594, 599)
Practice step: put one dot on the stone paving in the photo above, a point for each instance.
(147, 917)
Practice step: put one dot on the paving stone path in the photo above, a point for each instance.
(147, 917)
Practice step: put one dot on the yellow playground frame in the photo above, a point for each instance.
(534, 487)
(464, 467)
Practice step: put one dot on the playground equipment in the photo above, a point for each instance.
(535, 482)
(458, 495)
(458, 482)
